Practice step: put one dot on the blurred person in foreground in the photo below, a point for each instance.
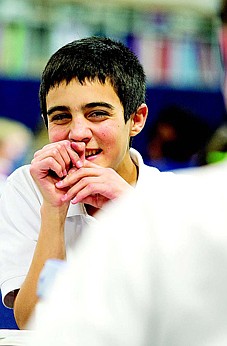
(92, 98)
(157, 278)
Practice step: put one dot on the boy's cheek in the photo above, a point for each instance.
(56, 136)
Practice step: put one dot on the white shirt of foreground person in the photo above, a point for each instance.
(2, 183)
(149, 272)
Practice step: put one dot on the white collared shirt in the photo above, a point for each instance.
(20, 224)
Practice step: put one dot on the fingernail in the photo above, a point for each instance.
(79, 164)
(59, 183)
(74, 200)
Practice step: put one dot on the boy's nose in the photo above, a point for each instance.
(79, 131)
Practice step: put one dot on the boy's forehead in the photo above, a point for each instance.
(87, 82)
(82, 93)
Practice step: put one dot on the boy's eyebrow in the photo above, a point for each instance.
(87, 105)
(98, 104)
(57, 108)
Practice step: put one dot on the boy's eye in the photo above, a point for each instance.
(60, 117)
(98, 114)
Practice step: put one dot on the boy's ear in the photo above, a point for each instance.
(138, 120)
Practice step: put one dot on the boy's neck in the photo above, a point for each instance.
(91, 210)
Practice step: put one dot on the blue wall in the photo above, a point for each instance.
(207, 104)
(7, 320)
(19, 100)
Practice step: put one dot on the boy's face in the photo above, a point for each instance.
(91, 113)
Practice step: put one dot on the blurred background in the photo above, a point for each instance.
(176, 42)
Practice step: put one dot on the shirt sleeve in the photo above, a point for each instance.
(19, 226)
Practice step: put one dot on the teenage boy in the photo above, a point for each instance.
(92, 98)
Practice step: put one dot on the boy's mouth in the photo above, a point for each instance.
(92, 152)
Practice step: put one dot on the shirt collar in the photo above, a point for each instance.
(76, 209)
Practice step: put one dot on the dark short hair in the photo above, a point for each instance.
(97, 58)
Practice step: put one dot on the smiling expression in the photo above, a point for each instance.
(91, 113)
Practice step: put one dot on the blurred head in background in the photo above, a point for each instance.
(176, 138)
(15, 141)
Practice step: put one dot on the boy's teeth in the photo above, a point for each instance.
(90, 152)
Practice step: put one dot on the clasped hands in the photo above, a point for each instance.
(63, 175)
